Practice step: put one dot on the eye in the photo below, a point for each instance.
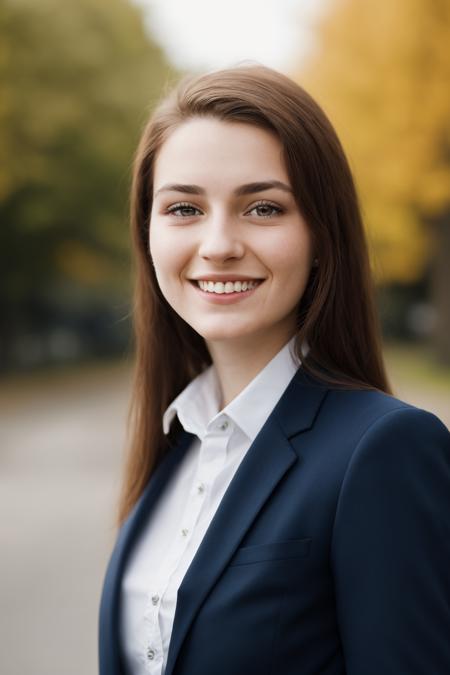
(182, 206)
(268, 209)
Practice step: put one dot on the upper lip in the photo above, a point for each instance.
(212, 276)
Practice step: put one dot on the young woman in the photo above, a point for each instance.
(282, 512)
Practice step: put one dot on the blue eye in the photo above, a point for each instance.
(182, 206)
(267, 205)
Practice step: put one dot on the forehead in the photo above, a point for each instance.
(201, 149)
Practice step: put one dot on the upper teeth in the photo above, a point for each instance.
(227, 286)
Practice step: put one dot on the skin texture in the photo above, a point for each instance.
(221, 232)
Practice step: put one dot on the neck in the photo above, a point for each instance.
(238, 361)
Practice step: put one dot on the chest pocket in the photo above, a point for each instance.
(281, 550)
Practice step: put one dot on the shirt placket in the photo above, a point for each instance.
(153, 650)
(212, 458)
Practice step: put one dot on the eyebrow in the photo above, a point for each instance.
(247, 189)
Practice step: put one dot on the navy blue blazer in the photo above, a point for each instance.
(329, 553)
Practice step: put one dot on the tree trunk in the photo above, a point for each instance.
(440, 285)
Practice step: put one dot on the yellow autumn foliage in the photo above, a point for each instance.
(382, 74)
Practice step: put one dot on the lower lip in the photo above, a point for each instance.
(225, 298)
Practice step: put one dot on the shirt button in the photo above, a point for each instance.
(150, 654)
(184, 532)
(224, 425)
(201, 487)
(155, 599)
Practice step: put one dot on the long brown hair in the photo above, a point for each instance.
(336, 314)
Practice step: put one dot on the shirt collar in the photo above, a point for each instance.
(197, 406)
(250, 409)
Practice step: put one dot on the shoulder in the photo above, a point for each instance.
(372, 414)
(401, 455)
(360, 432)
(399, 443)
(395, 486)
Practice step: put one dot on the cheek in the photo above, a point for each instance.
(290, 261)
(290, 257)
(166, 256)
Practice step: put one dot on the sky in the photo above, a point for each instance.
(204, 34)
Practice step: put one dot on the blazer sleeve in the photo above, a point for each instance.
(390, 551)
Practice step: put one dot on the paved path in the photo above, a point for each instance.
(61, 440)
(60, 450)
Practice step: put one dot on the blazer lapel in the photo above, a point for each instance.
(109, 652)
(268, 459)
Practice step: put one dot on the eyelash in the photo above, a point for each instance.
(184, 205)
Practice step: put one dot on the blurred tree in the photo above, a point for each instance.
(77, 81)
(382, 73)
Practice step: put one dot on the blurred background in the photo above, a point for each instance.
(78, 81)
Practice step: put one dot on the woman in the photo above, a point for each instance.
(282, 512)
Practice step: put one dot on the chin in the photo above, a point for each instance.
(225, 332)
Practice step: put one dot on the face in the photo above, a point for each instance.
(215, 218)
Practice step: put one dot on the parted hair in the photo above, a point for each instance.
(336, 315)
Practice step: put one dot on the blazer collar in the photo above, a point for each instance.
(297, 409)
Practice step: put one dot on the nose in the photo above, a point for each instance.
(220, 240)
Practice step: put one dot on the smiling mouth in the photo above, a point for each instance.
(226, 287)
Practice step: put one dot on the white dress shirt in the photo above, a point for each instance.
(180, 518)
